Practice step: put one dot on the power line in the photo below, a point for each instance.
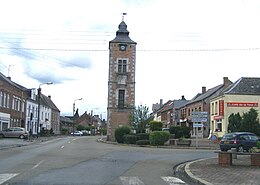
(141, 50)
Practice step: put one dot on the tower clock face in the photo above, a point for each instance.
(122, 47)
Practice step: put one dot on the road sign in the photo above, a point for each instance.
(197, 125)
(199, 116)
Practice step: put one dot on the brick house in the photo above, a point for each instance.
(169, 112)
(12, 103)
(201, 103)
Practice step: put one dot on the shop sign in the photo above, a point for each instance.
(221, 107)
(242, 104)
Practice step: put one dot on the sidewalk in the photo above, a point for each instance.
(15, 142)
(207, 171)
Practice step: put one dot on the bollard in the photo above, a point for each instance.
(234, 156)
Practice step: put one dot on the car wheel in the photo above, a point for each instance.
(21, 137)
(2, 136)
(240, 149)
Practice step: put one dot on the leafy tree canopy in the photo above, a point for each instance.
(140, 118)
(249, 122)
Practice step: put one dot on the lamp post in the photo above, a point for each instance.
(39, 104)
(73, 128)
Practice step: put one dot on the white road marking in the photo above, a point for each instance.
(173, 180)
(38, 164)
(62, 146)
(6, 176)
(131, 181)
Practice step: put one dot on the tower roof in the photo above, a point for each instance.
(122, 35)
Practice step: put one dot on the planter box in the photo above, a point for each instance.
(183, 142)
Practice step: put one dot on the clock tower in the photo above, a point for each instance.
(121, 80)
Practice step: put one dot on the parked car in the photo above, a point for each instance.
(77, 133)
(18, 132)
(240, 140)
(86, 132)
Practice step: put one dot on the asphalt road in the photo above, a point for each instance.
(83, 160)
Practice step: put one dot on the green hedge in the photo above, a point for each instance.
(120, 132)
(157, 138)
(130, 139)
(180, 131)
(143, 136)
(143, 142)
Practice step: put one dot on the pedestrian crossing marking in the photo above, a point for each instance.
(136, 181)
(173, 180)
(7, 176)
(131, 181)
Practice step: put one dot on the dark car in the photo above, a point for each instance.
(14, 132)
(240, 140)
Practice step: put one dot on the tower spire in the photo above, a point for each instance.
(123, 16)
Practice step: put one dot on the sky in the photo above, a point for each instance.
(182, 45)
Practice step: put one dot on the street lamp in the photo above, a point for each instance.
(73, 115)
(39, 104)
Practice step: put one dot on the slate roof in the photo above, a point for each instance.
(47, 101)
(122, 35)
(244, 86)
(207, 94)
(6, 79)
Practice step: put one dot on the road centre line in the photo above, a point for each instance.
(38, 164)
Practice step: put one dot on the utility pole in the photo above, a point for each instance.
(73, 128)
(39, 105)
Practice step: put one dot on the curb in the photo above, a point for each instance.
(166, 146)
(190, 175)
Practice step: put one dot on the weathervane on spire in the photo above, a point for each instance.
(123, 16)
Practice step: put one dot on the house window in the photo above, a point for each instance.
(216, 108)
(121, 98)
(122, 66)
(212, 108)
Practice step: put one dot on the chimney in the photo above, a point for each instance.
(161, 102)
(203, 89)
(9, 77)
(49, 96)
(226, 81)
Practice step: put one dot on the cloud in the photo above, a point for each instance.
(79, 61)
(46, 72)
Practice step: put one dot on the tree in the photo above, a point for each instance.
(140, 118)
(250, 122)
(234, 121)
(156, 125)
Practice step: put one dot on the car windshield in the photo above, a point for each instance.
(253, 137)
(228, 137)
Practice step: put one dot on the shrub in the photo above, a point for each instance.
(80, 127)
(120, 132)
(103, 131)
(157, 138)
(143, 142)
(142, 136)
(64, 131)
(155, 125)
(130, 139)
(180, 131)
(258, 144)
